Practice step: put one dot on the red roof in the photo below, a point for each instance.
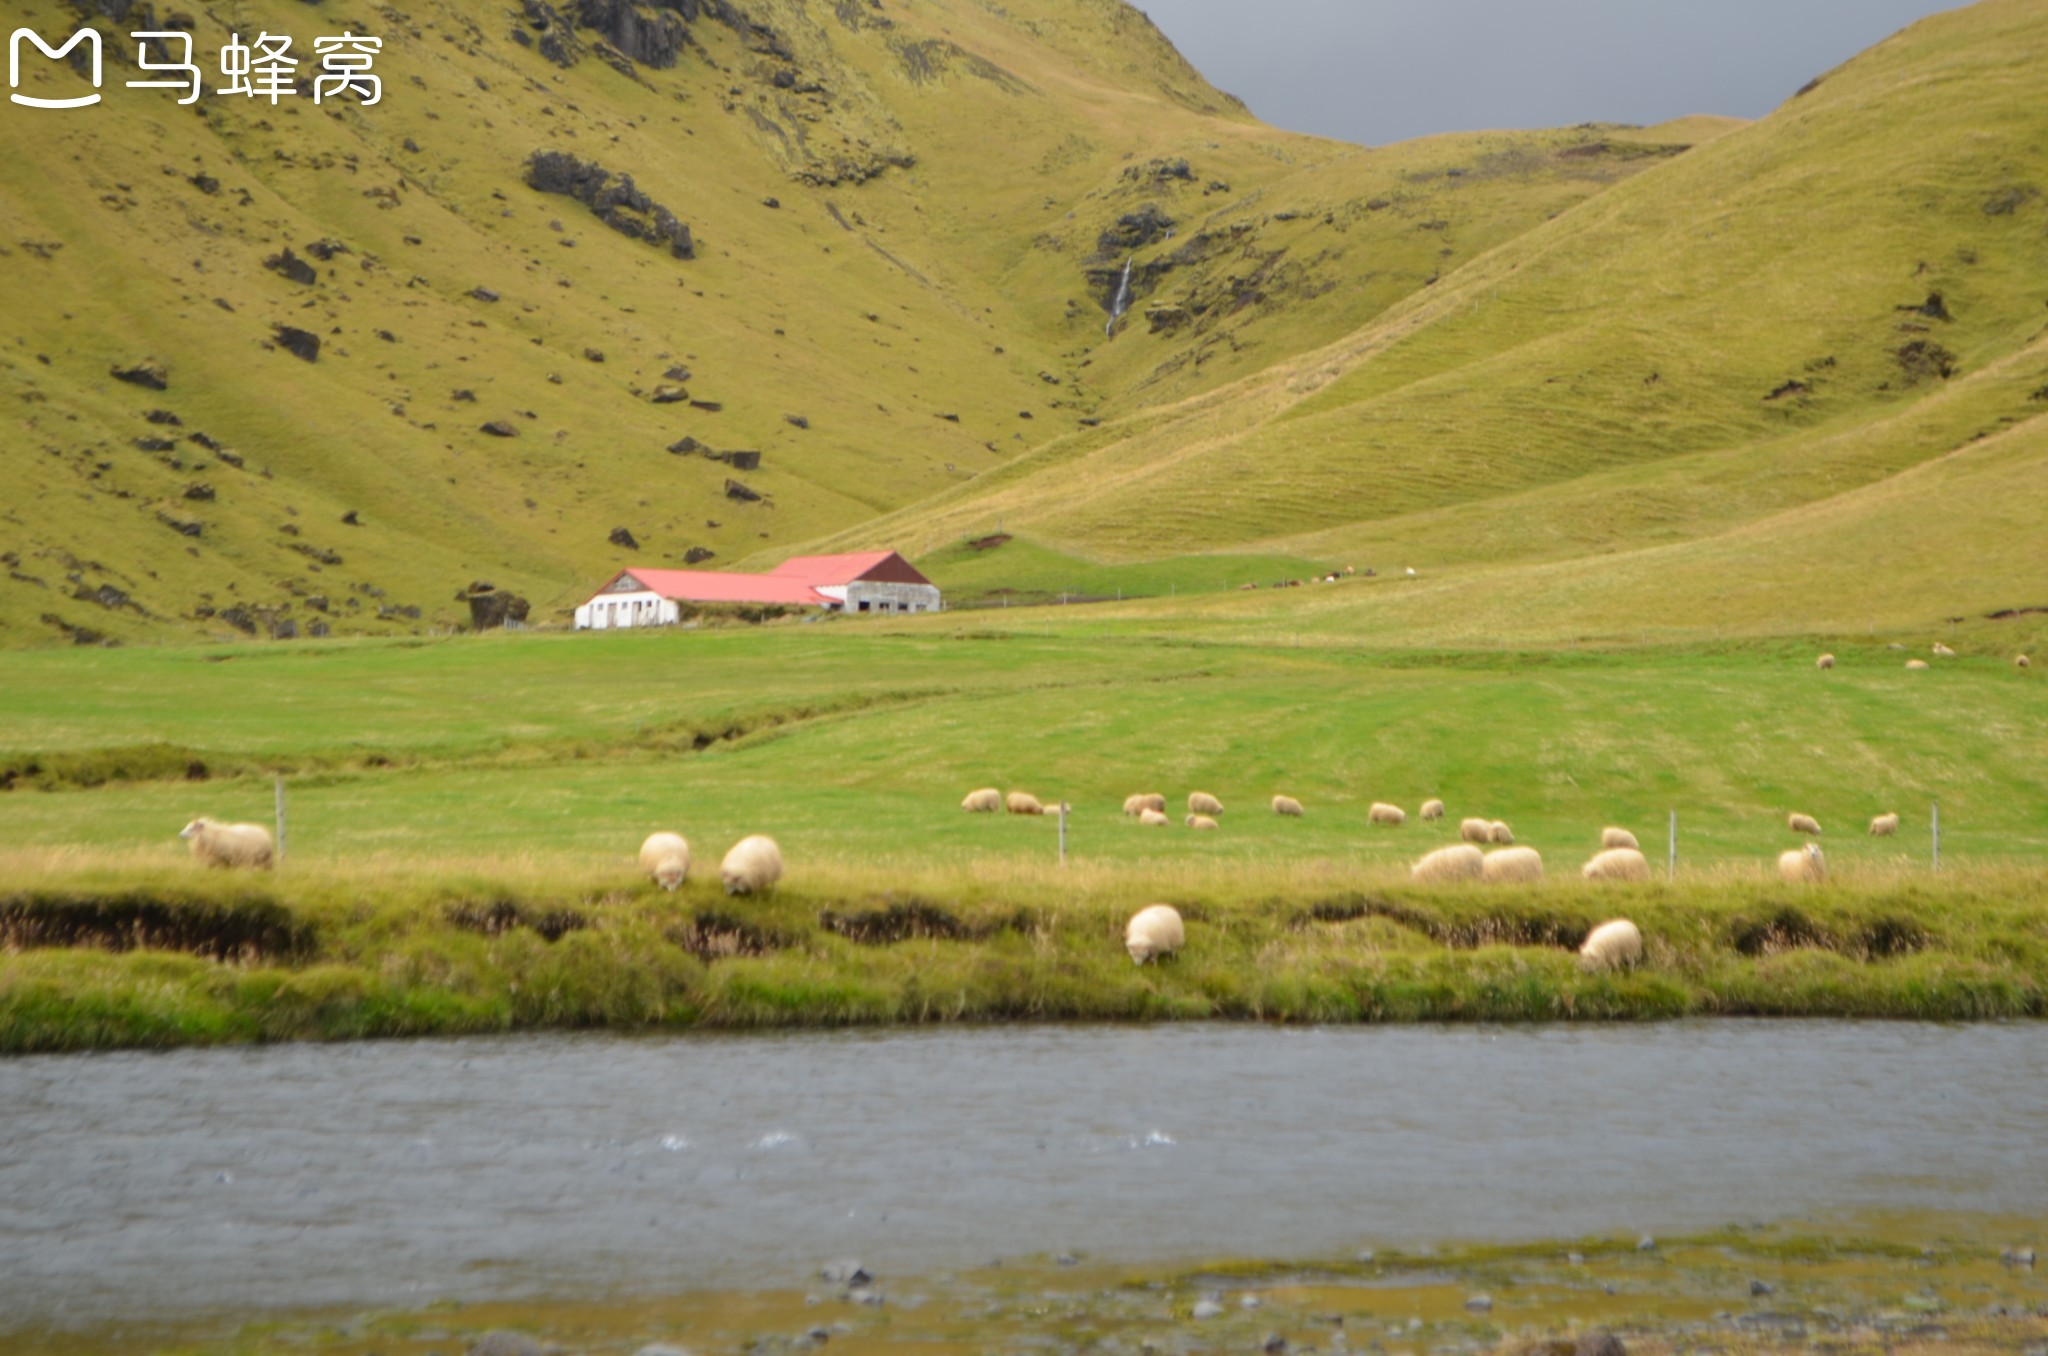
(795, 581)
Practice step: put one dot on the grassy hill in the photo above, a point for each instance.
(1795, 378)
(906, 223)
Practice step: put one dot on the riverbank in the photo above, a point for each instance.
(1913, 1285)
(126, 953)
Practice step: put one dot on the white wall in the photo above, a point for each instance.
(609, 611)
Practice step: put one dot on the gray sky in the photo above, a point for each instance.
(1385, 70)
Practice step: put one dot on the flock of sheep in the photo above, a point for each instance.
(1157, 930)
(1941, 651)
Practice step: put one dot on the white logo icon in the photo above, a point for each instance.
(89, 36)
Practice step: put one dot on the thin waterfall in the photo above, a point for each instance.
(1122, 302)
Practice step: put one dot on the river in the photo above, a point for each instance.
(160, 1186)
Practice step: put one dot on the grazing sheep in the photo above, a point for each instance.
(1498, 832)
(1615, 943)
(2022, 662)
(1803, 865)
(753, 865)
(666, 857)
(1942, 651)
(1023, 803)
(1383, 813)
(1143, 801)
(1287, 805)
(1155, 930)
(1461, 861)
(1151, 817)
(1826, 661)
(1476, 830)
(1617, 864)
(1915, 664)
(1202, 803)
(1515, 864)
(1613, 837)
(1432, 809)
(1200, 822)
(1885, 825)
(986, 801)
(1800, 823)
(229, 845)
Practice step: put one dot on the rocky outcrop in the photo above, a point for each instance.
(613, 199)
(491, 607)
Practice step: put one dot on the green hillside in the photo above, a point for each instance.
(1795, 378)
(905, 223)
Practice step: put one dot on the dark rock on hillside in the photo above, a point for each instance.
(651, 36)
(735, 490)
(200, 491)
(677, 372)
(297, 342)
(490, 608)
(1135, 230)
(323, 250)
(483, 294)
(683, 447)
(613, 199)
(1920, 359)
(184, 526)
(352, 519)
(697, 555)
(205, 183)
(162, 417)
(595, 355)
(291, 266)
(621, 537)
(669, 395)
(797, 420)
(149, 372)
(239, 617)
(498, 428)
(1933, 308)
(1160, 171)
(743, 461)
(154, 444)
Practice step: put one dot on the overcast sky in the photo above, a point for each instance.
(1376, 71)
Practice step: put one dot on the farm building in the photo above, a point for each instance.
(863, 581)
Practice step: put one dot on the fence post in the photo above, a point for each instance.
(280, 819)
(1671, 861)
(1063, 832)
(1937, 835)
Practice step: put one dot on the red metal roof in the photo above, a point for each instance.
(795, 581)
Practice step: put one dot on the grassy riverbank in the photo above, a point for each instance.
(126, 955)
(1896, 1286)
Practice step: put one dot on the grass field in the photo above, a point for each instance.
(451, 803)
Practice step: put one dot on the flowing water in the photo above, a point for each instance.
(149, 1186)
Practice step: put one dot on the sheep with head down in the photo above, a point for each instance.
(1432, 809)
(1498, 832)
(1288, 806)
(1153, 819)
(1153, 932)
(1476, 830)
(1202, 803)
(752, 867)
(1383, 813)
(1023, 803)
(1512, 866)
(1617, 864)
(1800, 823)
(1884, 825)
(1803, 865)
(1614, 944)
(1459, 862)
(1143, 801)
(1201, 822)
(986, 801)
(229, 846)
(1826, 661)
(666, 858)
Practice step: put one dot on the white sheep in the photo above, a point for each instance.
(1800, 823)
(753, 865)
(2022, 662)
(1461, 861)
(1287, 805)
(229, 845)
(1497, 832)
(1885, 825)
(1202, 803)
(1143, 801)
(1613, 837)
(986, 801)
(666, 857)
(1615, 943)
(1616, 864)
(1432, 809)
(1517, 865)
(1476, 830)
(1942, 651)
(1803, 865)
(1155, 930)
(1383, 813)
(1915, 665)
(1023, 803)
(1152, 818)
(1826, 661)
(1200, 822)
